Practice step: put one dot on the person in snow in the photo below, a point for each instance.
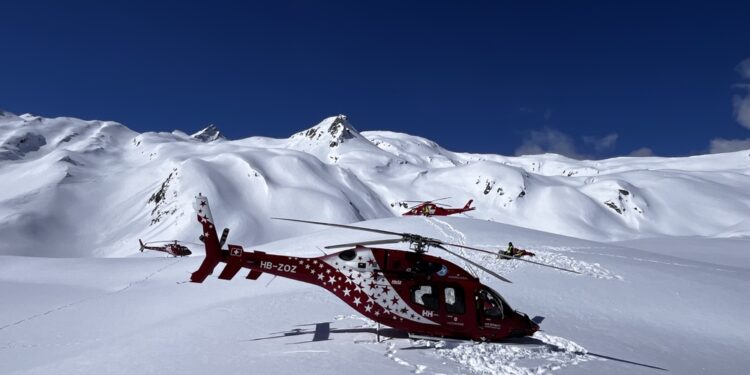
(511, 251)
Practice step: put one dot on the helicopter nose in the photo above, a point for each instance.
(188, 252)
(532, 326)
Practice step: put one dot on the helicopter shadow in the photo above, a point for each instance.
(323, 331)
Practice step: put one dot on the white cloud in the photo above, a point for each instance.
(719, 145)
(602, 144)
(744, 68)
(742, 101)
(741, 104)
(643, 151)
(548, 140)
(742, 110)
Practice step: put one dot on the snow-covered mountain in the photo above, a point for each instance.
(78, 298)
(90, 188)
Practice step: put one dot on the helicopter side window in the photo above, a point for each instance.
(454, 300)
(422, 295)
(489, 304)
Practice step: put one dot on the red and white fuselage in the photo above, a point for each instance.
(408, 291)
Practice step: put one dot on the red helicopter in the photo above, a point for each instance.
(410, 291)
(172, 248)
(430, 208)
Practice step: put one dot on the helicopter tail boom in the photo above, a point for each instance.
(209, 239)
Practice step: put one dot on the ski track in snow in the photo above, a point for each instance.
(459, 239)
(594, 270)
(78, 302)
(502, 266)
(574, 250)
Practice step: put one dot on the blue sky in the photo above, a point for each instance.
(583, 78)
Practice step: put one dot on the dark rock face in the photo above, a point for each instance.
(209, 134)
(16, 147)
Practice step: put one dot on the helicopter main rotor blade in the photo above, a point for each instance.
(342, 226)
(474, 264)
(365, 243)
(511, 257)
(440, 199)
(430, 201)
(406, 237)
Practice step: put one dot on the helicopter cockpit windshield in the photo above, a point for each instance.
(490, 304)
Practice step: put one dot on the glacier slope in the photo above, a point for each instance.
(137, 314)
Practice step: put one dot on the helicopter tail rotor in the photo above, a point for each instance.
(468, 205)
(223, 239)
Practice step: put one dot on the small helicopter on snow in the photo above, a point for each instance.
(430, 208)
(172, 248)
(409, 291)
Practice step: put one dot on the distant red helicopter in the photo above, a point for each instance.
(172, 248)
(410, 291)
(430, 208)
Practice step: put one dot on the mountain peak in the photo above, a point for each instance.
(209, 134)
(335, 129)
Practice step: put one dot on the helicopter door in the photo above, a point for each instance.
(490, 309)
(455, 306)
(424, 295)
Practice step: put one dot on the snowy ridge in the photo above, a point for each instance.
(63, 174)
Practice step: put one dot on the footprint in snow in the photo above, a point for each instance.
(553, 353)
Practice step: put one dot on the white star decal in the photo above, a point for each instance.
(320, 276)
(332, 280)
(368, 308)
(357, 301)
(347, 291)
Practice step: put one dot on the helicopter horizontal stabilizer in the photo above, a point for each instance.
(229, 271)
(234, 263)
